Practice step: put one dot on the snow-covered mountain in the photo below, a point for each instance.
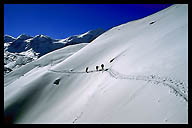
(14, 61)
(26, 48)
(145, 78)
(8, 38)
(43, 44)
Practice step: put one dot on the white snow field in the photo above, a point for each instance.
(145, 78)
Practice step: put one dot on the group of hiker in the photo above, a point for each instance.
(97, 68)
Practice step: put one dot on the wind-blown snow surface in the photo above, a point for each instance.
(146, 80)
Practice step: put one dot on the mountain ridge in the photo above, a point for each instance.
(31, 48)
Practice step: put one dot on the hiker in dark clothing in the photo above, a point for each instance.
(97, 67)
(102, 66)
(86, 69)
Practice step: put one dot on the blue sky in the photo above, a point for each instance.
(62, 20)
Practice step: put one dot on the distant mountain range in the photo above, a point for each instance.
(25, 48)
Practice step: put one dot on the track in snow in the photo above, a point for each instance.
(178, 87)
(71, 71)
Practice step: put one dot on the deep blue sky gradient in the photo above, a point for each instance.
(62, 20)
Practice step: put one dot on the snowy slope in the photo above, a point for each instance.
(83, 38)
(146, 80)
(24, 49)
(48, 60)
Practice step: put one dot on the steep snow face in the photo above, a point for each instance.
(145, 78)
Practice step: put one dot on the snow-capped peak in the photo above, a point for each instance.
(41, 38)
(23, 37)
(8, 38)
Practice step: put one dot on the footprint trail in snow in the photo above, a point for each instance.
(178, 87)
